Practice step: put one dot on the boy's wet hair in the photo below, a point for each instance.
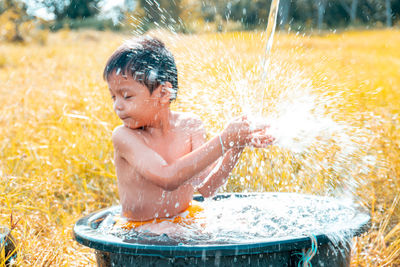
(147, 60)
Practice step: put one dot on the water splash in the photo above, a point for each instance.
(317, 151)
(259, 218)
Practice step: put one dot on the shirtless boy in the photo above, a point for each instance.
(162, 157)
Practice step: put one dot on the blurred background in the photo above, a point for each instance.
(22, 20)
(336, 60)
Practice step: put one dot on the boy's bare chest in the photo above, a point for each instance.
(172, 146)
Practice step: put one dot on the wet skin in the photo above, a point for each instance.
(161, 156)
(141, 198)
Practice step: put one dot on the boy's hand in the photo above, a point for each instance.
(262, 140)
(240, 132)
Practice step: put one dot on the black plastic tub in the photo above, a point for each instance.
(112, 251)
(7, 246)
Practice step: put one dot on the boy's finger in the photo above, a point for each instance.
(242, 117)
(271, 140)
(261, 140)
(260, 127)
(270, 137)
(255, 130)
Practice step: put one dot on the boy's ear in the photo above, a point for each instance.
(165, 93)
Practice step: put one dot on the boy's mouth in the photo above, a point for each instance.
(124, 117)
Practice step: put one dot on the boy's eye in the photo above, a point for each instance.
(126, 95)
(113, 97)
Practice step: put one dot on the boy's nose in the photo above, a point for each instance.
(118, 105)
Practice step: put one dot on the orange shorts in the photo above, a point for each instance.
(186, 217)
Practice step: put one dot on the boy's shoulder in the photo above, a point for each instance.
(188, 119)
(118, 130)
(122, 133)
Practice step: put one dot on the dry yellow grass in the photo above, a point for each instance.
(56, 121)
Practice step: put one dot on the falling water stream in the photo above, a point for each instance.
(266, 60)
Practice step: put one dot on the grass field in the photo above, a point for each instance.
(56, 121)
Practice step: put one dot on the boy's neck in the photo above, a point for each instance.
(162, 125)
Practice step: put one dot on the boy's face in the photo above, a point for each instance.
(132, 101)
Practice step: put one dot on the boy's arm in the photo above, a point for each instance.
(153, 167)
(198, 138)
(218, 172)
(219, 176)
